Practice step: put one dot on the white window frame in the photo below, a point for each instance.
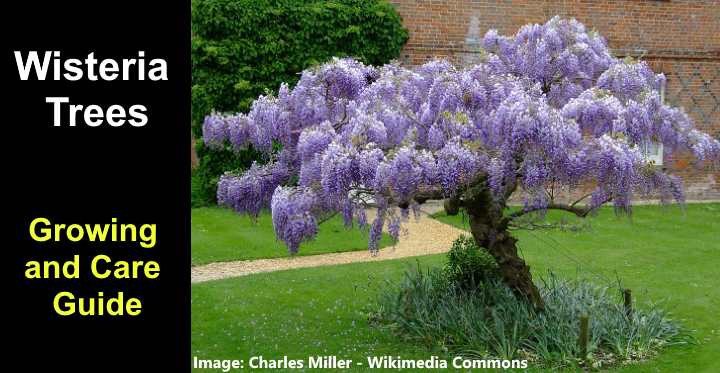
(653, 151)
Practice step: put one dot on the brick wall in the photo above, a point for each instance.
(678, 38)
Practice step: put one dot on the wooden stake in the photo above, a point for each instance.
(584, 334)
(627, 296)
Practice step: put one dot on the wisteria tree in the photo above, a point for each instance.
(547, 107)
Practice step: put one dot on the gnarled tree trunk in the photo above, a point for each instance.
(489, 228)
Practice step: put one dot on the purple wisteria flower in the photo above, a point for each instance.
(292, 215)
(548, 105)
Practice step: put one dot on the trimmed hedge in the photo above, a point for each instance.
(244, 48)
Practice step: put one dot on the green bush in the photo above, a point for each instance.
(212, 164)
(241, 48)
(244, 48)
(489, 322)
(468, 264)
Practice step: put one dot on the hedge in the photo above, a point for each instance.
(243, 48)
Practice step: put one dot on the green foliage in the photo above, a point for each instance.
(488, 321)
(468, 264)
(195, 191)
(244, 48)
(214, 163)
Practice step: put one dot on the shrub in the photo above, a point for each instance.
(243, 48)
(212, 164)
(488, 321)
(469, 265)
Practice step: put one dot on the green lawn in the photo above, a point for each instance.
(661, 255)
(219, 234)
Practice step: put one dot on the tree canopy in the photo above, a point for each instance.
(549, 105)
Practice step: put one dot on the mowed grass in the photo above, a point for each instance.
(219, 235)
(662, 254)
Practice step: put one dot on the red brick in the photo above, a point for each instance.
(680, 38)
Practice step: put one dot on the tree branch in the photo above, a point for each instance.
(580, 199)
(327, 217)
(572, 208)
(430, 194)
(579, 211)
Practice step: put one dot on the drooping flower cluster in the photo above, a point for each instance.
(292, 215)
(251, 192)
(560, 55)
(548, 105)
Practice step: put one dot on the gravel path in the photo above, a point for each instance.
(424, 236)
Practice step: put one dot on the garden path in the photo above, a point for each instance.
(420, 237)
